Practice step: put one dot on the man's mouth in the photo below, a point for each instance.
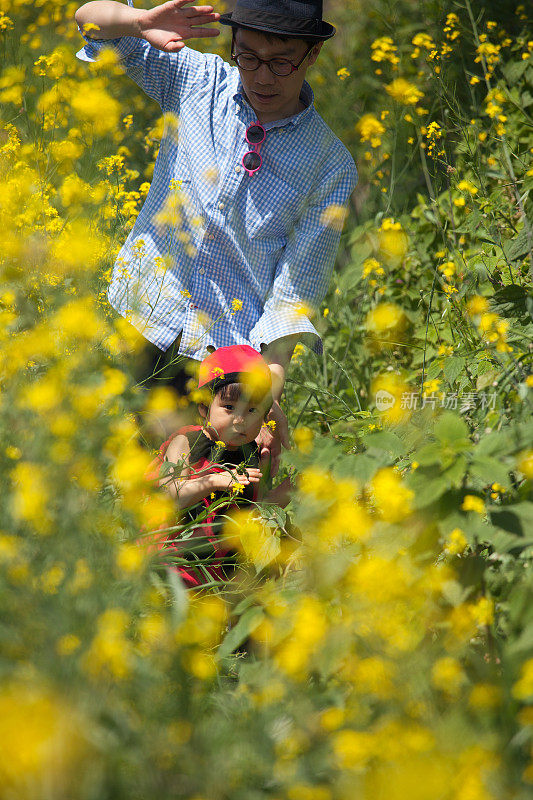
(265, 98)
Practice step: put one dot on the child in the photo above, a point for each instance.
(200, 465)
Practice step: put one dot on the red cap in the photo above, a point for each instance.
(227, 364)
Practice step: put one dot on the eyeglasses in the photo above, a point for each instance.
(279, 66)
(255, 136)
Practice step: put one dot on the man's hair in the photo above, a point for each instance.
(271, 37)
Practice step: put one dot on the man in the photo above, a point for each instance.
(237, 213)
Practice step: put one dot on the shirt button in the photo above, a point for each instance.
(201, 270)
(238, 169)
(211, 236)
(221, 206)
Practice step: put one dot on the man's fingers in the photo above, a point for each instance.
(200, 33)
(173, 47)
(197, 11)
(202, 20)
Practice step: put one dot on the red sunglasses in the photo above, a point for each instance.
(255, 136)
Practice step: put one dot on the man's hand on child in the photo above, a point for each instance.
(168, 26)
(272, 437)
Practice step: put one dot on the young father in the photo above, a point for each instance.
(238, 206)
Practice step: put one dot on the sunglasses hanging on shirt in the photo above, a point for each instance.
(255, 136)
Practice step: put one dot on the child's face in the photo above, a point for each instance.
(234, 422)
(271, 96)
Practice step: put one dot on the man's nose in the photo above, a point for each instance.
(265, 75)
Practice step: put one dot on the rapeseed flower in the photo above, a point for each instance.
(386, 326)
(392, 498)
(370, 129)
(404, 92)
(473, 503)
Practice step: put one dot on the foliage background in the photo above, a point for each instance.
(388, 613)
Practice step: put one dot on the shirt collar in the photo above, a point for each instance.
(306, 96)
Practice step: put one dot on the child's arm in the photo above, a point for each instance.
(166, 27)
(188, 487)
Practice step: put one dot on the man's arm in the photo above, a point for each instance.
(301, 280)
(166, 27)
(277, 355)
(304, 270)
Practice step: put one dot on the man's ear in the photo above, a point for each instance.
(202, 410)
(315, 53)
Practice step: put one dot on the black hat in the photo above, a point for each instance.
(282, 18)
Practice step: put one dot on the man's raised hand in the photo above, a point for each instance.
(169, 26)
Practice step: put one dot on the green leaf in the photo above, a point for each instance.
(516, 249)
(510, 301)
(517, 519)
(426, 489)
(494, 442)
(249, 621)
(514, 71)
(384, 440)
(455, 473)
(451, 429)
(490, 470)
(429, 454)
(453, 366)
(180, 599)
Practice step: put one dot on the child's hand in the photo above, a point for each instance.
(229, 479)
(168, 26)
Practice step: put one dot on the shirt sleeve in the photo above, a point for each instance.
(304, 271)
(165, 77)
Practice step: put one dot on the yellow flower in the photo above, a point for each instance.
(42, 741)
(477, 305)
(456, 544)
(303, 439)
(389, 390)
(392, 242)
(110, 654)
(248, 533)
(131, 557)
(371, 265)
(467, 186)
(370, 129)
(392, 498)
(236, 304)
(353, 749)
(483, 611)
(473, 503)
(485, 696)
(68, 644)
(385, 325)
(334, 217)
(523, 688)
(96, 108)
(448, 676)
(524, 463)
(343, 73)
(384, 49)
(430, 387)
(404, 92)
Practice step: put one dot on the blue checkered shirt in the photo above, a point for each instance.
(209, 234)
